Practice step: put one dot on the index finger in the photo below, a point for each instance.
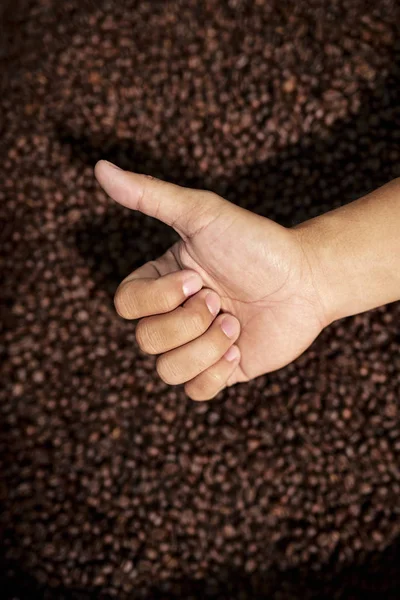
(145, 293)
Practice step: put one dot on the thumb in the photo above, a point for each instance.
(184, 209)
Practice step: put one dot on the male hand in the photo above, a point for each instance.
(236, 297)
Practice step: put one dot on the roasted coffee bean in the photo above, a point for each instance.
(114, 485)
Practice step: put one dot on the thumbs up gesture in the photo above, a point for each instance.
(236, 297)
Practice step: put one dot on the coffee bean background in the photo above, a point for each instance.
(112, 484)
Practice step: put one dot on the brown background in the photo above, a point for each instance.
(113, 484)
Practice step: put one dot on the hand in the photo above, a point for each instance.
(228, 259)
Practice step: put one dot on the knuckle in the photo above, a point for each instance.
(215, 350)
(202, 389)
(167, 372)
(164, 302)
(142, 197)
(195, 394)
(214, 379)
(124, 302)
(144, 338)
(196, 322)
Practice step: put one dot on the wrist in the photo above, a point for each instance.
(354, 253)
(326, 260)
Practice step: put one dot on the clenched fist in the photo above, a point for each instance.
(236, 297)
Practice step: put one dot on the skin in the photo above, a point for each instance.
(218, 312)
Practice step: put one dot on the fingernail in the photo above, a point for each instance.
(110, 164)
(229, 327)
(192, 285)
(232, 354)
(213, 303)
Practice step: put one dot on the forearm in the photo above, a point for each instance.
(354, 252)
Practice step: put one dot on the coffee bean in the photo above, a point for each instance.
(113, 484)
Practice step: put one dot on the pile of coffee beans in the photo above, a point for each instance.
(114, 485)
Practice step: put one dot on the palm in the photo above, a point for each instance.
(267, 286)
